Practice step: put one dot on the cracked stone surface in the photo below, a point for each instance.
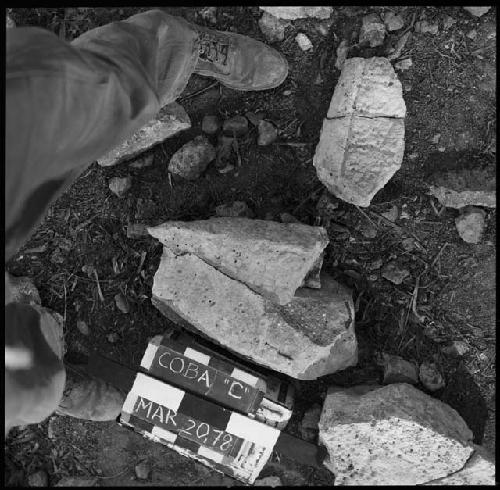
(171, 119)
(292, 13)
(362, 139)
(311, 336)
(273, 259)
(392, 435)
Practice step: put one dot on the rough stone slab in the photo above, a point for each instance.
(293, 13)
(171, 119)
(392, 435)
(310, 337)
(479, 470)
(356, 156)
(271, 258)
(368, 87)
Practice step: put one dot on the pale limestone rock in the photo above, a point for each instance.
(476, 11)
(479, 470)
(171, 119)
(372, 31)
(271, 258)
(303, 41)
(362, 140)
(357, 156)
(392, 435)
(471, 224)
(367, 87)
(311, 336)
(293, 13)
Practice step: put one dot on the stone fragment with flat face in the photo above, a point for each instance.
(271, 258)
(293, 13)
(357, 156)
(169, 121)
(311, 336)
(392, 435)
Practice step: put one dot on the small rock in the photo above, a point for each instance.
(376, 264)
(286, 93)
(342, 52)
(267, 133)
(392, 215)
(426, 27)
(144, 162)
(209, 14)
(142, 470)
(471, 224)
(472, 34)
(430, 376)
(136, 230)
(309, 425)
(210, 124)
(236, 209)
(398, 370)
(393, 21)
(403, 65)
(236, 126)
(82, 327)
(448, 22)
(303, 41)
(372, 31)
(112, 338)
(293, 13)
(190, 161)
(22, 290)
(120, 185)
(75, 481)
(269, 481)
(272, 27)
(409, 244)
(288, 218)
(392, 272)
(457, 348)
(477, 11)
(38, 479)
(122, 303)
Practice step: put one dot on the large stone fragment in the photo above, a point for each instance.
(171, 119)
(293, 13)
(271, 258)
(394, 435)
(311, 336)
(479, 470)
(362, 139)
(357, 156)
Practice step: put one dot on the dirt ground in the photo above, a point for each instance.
(449, 294)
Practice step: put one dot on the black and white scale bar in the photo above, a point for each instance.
(123, 378)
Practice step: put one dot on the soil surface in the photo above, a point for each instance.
(449, 294)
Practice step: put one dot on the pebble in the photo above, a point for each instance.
(122, 303)
(372, 31)
(426, 27)
(112, 338)
(210, 124)
(393, 21)
(120, 185)
(144, 162)
(38, 479)
(82, 327)
(477, 11)
(142, 470)
(237, 209)
(471, 224)
(236, 126)
(272, 27)
(430, 376)
(392, 272)
(192, 159)
(286, 93)
(342, 52)
(376, 264)
(408, 244)
(403, 65)
(457, 348)
(472, 34)
(267, 133)
(398, 370)
(303, 41)
(268, 481)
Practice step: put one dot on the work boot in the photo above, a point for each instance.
(89, 398)
(239, 62)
